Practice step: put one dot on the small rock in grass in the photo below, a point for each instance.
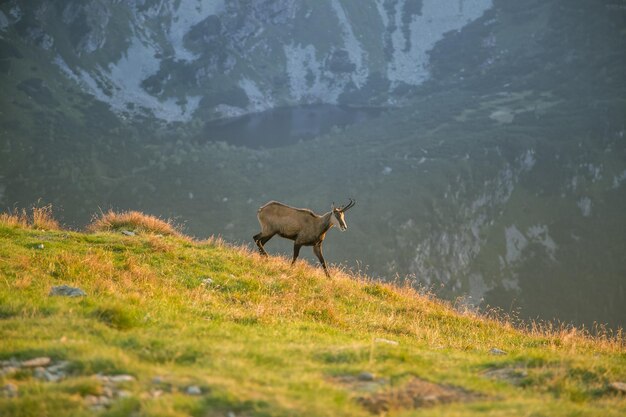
(128, 233)
(9, 390)
(231, 414)
(121, 378)
(10, 362)
(496, 351)
(67, 291)
(8, 370)
(97, 402)
(58, 367)
(123, 394)
(193, 390)
(207, 281)
(366, 376)
(39, 246)
(107, 392)
(618, 386)
(36, 362)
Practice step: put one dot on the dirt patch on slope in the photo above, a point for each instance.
(378, 397)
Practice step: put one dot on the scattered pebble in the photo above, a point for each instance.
(387, 341)
(193, 390)
(156, 393)
(123, 394)
(618, 386)
(66, 291)
(387, 170)
(496, 351)
(207, 281)
(128, 233)
(121, 378)
(366, 376)
(39, 246)
(9, 390)
(97, 402)
(36, 362)
(8, 370)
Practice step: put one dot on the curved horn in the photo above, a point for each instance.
(348, 206)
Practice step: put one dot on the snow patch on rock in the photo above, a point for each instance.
(541, 235)
(4, 21)
(307, 83)
(527, 160)
(184, 16)
(503, 116)
(258, 100)
(584, 204)
(353, 46)
(124, 80)
(410, 65)
(516, 242)
(619, 179)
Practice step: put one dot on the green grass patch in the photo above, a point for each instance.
(204, 328)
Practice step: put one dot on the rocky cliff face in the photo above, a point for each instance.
(215, 58)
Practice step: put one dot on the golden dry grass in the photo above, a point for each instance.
(133, 221)
(40, 218)
(168, 305)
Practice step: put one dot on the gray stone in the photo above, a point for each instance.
(36, 362)
(207, 281)
(366, 376)
(128, 233)
(121, 378)
(9, 390)
(496, 351)
(58, 367)
(193, 390)
(39, 246)
(618, 386)
(8, 370)
(67, 291)
(123, 394)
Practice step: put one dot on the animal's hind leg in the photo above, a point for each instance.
(296, 252)
(261, 240)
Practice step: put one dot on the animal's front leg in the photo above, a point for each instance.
(317, 249)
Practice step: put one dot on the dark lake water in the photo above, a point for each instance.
(286, 125)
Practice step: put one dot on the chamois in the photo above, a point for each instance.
(302, 226)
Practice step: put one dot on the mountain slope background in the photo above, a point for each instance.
(496, 165)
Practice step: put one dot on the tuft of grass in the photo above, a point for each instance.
(40, 218)
(133, 221)
(17, 219)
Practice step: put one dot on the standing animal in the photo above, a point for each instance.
(302, 226)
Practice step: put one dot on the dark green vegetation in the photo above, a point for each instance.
(173, 327)
(502, 177)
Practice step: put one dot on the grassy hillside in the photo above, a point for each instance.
(170, 326)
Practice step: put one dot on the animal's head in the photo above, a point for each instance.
(337, 217)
